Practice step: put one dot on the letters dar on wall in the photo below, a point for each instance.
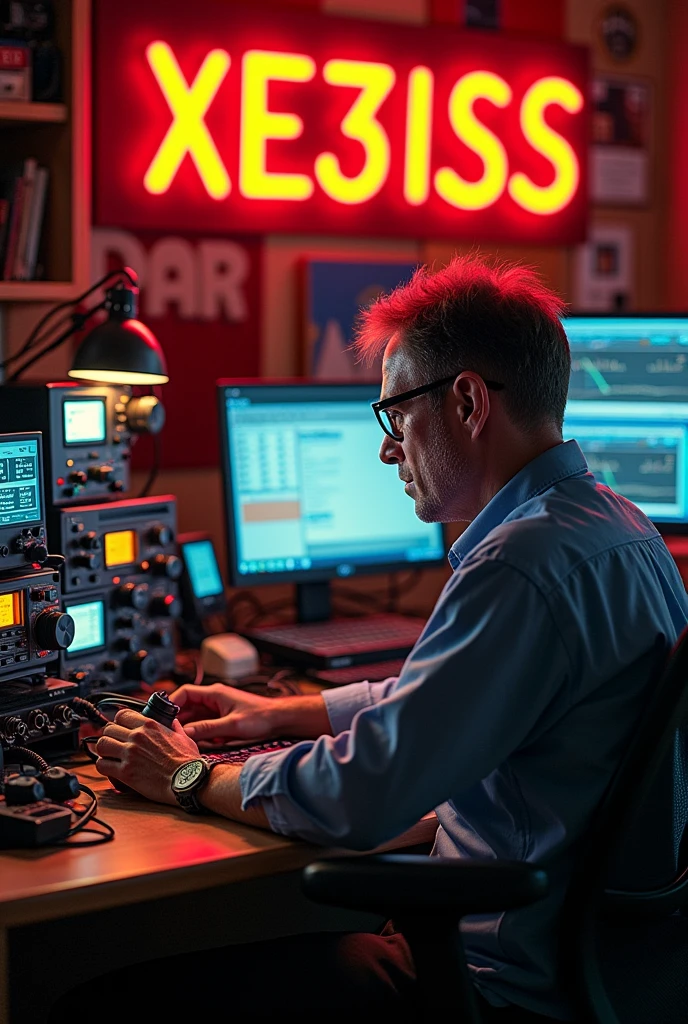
(201, 298)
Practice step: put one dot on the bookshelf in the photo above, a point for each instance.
(58, 136)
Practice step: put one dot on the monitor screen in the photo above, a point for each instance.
(20, 486)
(84, 421)
(628, 407)
(89, 626)
(307, 496)
(201, 564)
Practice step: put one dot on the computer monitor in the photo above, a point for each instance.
(628, 408)
(307, 498)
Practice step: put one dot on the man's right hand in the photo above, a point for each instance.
(221, 711)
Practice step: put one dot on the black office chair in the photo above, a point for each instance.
(623, 937)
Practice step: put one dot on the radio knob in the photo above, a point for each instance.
(132, 595)
(144, 415)
(36, 553)
(38, 721)
(78, 477)
(54, 630)
(161, 638)
(100, 473)
(92, 541)
(167, 565)
(160, 535)
(14, 728)
(165, 607)
(89, 560)
(128, 643)
(141, 667)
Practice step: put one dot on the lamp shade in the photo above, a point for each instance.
(120, 352)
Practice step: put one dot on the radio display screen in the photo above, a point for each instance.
(199, 557)
(10, 610)
(120, 548)
(20, 491)
(84, 421)
(89, 626)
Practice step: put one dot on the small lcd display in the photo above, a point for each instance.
(120, 548)
(89, 626)
(84, 421)
(20, 482)
(200, 561)
(10, 610)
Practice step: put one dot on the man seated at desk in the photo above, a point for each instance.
(512, 711)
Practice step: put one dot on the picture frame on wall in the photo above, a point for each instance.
(333, 293)
(621, 140)
(604, 270)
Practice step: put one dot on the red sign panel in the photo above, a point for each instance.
(219, 117)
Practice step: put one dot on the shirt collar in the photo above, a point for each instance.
(559, 463)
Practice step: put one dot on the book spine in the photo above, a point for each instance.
(15, 222)
(36, 222)
(30, 166)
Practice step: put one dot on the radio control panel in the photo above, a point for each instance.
(33, 626)
(121, 588)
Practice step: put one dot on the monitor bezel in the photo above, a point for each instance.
(667, 527)
(318, 575)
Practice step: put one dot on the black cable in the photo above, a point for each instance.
(90, 711)
(155, 468)
(28, 755)
(31, 341)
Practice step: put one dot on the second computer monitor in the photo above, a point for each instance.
(307, 497)
(628, 408)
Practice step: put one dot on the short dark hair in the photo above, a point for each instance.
(496, 318)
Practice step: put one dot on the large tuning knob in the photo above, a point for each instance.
(53, 630)
(145, 415)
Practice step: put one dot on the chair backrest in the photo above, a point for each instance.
(649, 786)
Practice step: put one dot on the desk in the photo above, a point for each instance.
(68, 915)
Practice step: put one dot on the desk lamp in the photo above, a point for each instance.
(120, 350)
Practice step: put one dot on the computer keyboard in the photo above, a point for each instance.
(373, 672)
(241, 754)
(336, 637)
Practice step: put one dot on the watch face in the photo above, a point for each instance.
(186, 776)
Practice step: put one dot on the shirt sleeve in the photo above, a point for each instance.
(343, 703)
(490, 664)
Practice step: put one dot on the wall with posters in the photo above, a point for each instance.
(575, 21)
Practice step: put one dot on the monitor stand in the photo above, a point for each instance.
(313, 602)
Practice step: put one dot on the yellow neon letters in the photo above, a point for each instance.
(476, 195)
(376, 82)
(550, 198)
(418, 135)
(188, 131)
(258, 124)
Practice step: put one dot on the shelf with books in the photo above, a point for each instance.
(48, 147)
(14, 111)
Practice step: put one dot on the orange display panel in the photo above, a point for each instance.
(10, 610)
(120, 548)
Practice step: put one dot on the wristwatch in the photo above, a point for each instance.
(188, 779)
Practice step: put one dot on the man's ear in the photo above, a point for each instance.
(472, 402)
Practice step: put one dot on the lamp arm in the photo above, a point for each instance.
(78, 321)
(31, 340)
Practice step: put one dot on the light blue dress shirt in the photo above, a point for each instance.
(511, 712)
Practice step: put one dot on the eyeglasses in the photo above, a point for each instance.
(393, 425)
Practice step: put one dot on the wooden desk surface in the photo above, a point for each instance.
(157, 851)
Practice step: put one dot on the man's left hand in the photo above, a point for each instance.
(143, 754)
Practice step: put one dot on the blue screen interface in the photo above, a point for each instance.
(628, 407)
(20, 487)
(308, 489)
(201, 564)
(89, 626)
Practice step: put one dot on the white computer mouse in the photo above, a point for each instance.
(228, 656)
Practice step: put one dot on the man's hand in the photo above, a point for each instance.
(143, 754)
(221, 711)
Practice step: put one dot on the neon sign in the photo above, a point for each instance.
(236, 121)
